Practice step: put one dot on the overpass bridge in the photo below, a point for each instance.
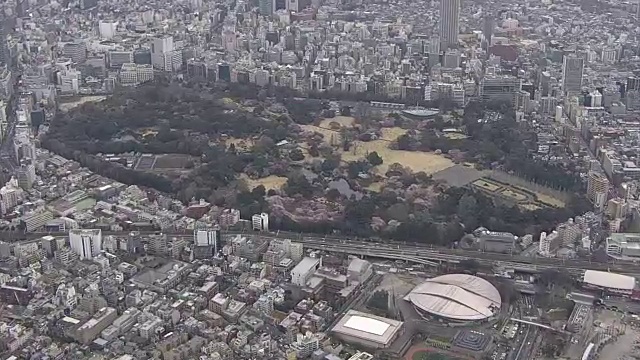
(542, 326)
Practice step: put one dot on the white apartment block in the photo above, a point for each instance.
(87, 243)
(260, 222)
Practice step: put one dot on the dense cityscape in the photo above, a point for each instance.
(323, 179)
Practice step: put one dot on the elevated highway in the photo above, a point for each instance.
(439, 256)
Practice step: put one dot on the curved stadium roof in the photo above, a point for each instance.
(456, 296)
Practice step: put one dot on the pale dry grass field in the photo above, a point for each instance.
(269, 182)
(65, 107)
(549, 200)
(428, 162)
(376, 186)
(148, 132)
(229, 101)
(417, 161)
(240, 144)
(391, 134)
(530, 207)
(344, 121)
(455, 136)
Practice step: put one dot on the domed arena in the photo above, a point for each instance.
(456, 297)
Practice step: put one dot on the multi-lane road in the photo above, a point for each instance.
(7, 162)
(418, 253)
(7, 159)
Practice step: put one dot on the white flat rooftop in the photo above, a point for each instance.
(366, 324)
(609, 280)
(359, 325)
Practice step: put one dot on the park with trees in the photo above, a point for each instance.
(329, 184)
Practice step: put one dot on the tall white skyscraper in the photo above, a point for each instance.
(87, 243)
(572, 71)
(164, 54)
(449, 22)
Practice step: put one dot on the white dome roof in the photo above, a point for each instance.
(456, 296)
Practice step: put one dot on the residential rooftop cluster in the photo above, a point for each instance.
(156, 294)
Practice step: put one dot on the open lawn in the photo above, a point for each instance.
(530, 207)
(391, 134)
(515, 195)
(66, 106)
(269, 182)
(483, 184)
(430, 163)
(342, 121)
(549, 200)
(418, 161)
(455, 136)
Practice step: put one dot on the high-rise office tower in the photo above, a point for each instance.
(487, 29)
(164, 54)
(449, 22)
(572, 71)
